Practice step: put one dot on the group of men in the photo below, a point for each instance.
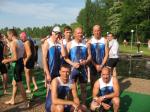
(21, 58)
(67, 62)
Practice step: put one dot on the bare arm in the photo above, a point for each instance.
(96, 89)
(14, 53)
(106, 53)
(27, 50)
(45, 52)
(63, 49)
(74, 94)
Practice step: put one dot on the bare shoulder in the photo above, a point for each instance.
(115, 80)
(13, 44)
(96, 84)
(54, 81)
(26, 43)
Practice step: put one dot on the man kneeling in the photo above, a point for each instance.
(60, 89)
(106, 92)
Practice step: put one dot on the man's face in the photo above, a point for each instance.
(105, 75)
(57, 35)
(64, 73)
(78, 34)
(109, 37)
(97, 32)
(67, 34)
(9, 35)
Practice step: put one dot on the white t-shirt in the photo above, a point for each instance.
(114, 47)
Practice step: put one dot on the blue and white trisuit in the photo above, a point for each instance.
(54, 58)
(106, 88)
(78, 52)
(63, 91)
(97, 52)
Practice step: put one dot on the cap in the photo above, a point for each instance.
(56, 29)
(23, 36)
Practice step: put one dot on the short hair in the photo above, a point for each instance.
(65, 66)
(97, 26)
(13, 31)
(67, 28)
(106, 68)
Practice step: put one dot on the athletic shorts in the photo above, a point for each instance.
(18, 68)
(48, 104)
(30, 63)
(79, 74)
(112, 62)
(3, 68)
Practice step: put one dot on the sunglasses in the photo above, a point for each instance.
(57, 33)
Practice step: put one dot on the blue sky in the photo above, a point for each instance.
(31, 13)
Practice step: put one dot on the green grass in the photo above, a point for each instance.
(127, 49)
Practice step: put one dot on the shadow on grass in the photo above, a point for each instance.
(125, 103)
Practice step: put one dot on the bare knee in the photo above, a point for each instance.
(59, 108)
(116, 102)
(14, 83)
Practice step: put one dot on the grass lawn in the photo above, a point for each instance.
(127, 49)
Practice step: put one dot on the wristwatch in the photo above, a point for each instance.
(104, 97)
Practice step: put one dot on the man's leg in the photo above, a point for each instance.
(5, 79)
(116, 103)
(34, 81)
(83, 93)
(12, 100)
(22, 90)
(27, 74)
(94, 77)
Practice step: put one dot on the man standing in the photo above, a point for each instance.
(67, 35)
(113, 51)
(3, 68)
(52, 55)
(66, 39)
(106, 92)
(17, 50)
(78, 57)
(99, 52)
(29, 61)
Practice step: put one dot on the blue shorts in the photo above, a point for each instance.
(48, 104)
(79, 74)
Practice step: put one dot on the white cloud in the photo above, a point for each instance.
(43, 11)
